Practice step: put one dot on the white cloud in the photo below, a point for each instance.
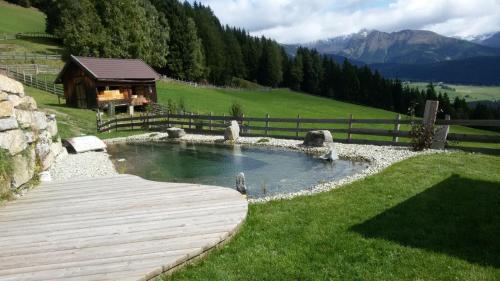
(291, 21)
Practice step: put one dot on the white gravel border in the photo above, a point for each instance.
(379, 157)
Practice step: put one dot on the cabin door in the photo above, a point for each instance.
(81, 97)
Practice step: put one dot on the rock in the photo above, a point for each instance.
(47, 161)
(11, 86)
(45, 176)
(8, 124)
(26, 103)
(14, 99)
(3, 96)
(318, 138)
(43, 145)
(25, 118)
(6, 109)
(56, 147)
(34, 119)
(24, 168)
(439, 137)
(175, 133)
(52, 126)
(241, 186)
(13, 141)
(30, 137)
(232, 132)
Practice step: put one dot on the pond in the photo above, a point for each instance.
(267, 171)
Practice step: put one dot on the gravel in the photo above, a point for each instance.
(83, 165)
(379, 157)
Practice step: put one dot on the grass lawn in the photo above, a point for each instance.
(285, 103)
(470, 93)
(431, 217)
(15, 19)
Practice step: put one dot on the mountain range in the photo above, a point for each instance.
(489, 40)
(406, 46)
(417, 55)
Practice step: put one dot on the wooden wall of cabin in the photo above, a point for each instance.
(79, 88)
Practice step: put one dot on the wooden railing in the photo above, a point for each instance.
(295, 128)
(29, 56)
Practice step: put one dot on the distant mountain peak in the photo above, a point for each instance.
(404, 46)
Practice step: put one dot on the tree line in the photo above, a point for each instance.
(186, 41)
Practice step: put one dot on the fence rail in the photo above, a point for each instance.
(292, 128)
(29, 56)
(10, 36)
(34, 69)
(33, 81)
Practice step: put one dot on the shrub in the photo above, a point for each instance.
(6, 166)
(236, 110)
(421, 136)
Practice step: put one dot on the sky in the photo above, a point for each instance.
(302, 21)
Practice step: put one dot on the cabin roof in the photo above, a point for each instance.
(112, 69)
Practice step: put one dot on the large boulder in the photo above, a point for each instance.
(52, 125)
(31, 119)
(11, 86)
(175, 133)
(232, 132)
(8, 124)
(13, 141)
(6, 109)
(318, 138)
(27, 103)
(3, 96)
(24, 167)
(43, 144)
(14, 99)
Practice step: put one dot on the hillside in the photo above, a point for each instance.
(15, 19)
(477, 71)
(491, 40)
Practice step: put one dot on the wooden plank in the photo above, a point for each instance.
(104, 228)
(473, 138)
(479, 123)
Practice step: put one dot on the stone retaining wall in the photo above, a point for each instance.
(28, 135)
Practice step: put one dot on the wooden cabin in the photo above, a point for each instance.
(97, 82)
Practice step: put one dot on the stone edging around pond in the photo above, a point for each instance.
(379, 157)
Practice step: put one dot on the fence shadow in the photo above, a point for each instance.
(459, 217)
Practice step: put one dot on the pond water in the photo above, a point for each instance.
(267, 171)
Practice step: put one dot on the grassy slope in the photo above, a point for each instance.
(279, 103)
(14, 19)
(427, 218)
(470, 93)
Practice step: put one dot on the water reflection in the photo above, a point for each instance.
(267, 171)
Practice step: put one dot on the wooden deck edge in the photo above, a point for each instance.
(194, 259)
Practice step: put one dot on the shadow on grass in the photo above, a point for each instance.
(459, 217)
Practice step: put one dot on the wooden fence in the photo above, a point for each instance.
(32, 69)
(41, 84)
(27, 57)
(11, 36)
(294, 128)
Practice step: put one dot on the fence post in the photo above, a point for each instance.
(349, 136)
(395, 138)
(267, 124)
(440, 135)
(430, 112)
(24, 77)
(190, 119)
(298, 125)
(210, 122)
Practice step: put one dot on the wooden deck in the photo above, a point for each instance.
(113, 228)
